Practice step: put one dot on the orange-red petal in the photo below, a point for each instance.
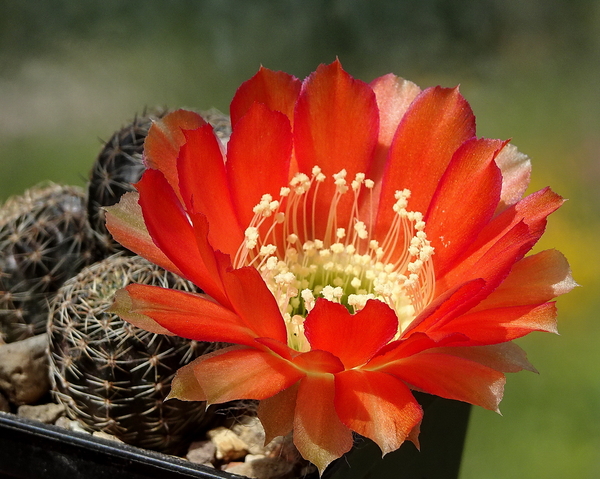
(210, 260)
(503, 357)
(185, 244)
(165, 138)
(465, 200)
(276, 413)
(437, 122)
(189, 315)
(450, 377)
(253, 302)
(414, 344)
(498, 325)
(336, 122)
(258, 158)
(240, 372)
(125, 222)
(318, 361)
(354, 338)
(376, 405)
(503, 241)
(450, 304)
(123, 306)
(336, 127)
(161, 207)
(277, 90)
(535, 279)
(204, 188)
(279, 348)
(394, 95)
(319, 435)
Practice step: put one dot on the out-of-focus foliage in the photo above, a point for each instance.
(425, 32)
(73, 72)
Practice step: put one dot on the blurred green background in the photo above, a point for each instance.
(72, 72)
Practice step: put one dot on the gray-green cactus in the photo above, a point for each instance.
(44, 240)
(112, 376)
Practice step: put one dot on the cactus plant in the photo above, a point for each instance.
(112, 376)
(44, 240)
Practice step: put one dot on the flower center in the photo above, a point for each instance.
(348, 264)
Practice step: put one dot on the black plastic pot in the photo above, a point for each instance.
(32, 450)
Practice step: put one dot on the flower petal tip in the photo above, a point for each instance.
(123, 307)
(185, 386)
(413, 435)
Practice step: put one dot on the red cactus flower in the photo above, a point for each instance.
(353, 241)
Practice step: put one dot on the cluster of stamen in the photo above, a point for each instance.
(347, 265)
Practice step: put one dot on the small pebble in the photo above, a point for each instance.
(254, 457)
(229, 446)
(46, 413)
(261, 467)
(105, 435)
(69, 424)
(202, 452)
(24, 376)
(251, 431)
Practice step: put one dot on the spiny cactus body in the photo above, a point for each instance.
(44, 240)
(112, 376)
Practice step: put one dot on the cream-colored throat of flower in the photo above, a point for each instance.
(347, 265)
